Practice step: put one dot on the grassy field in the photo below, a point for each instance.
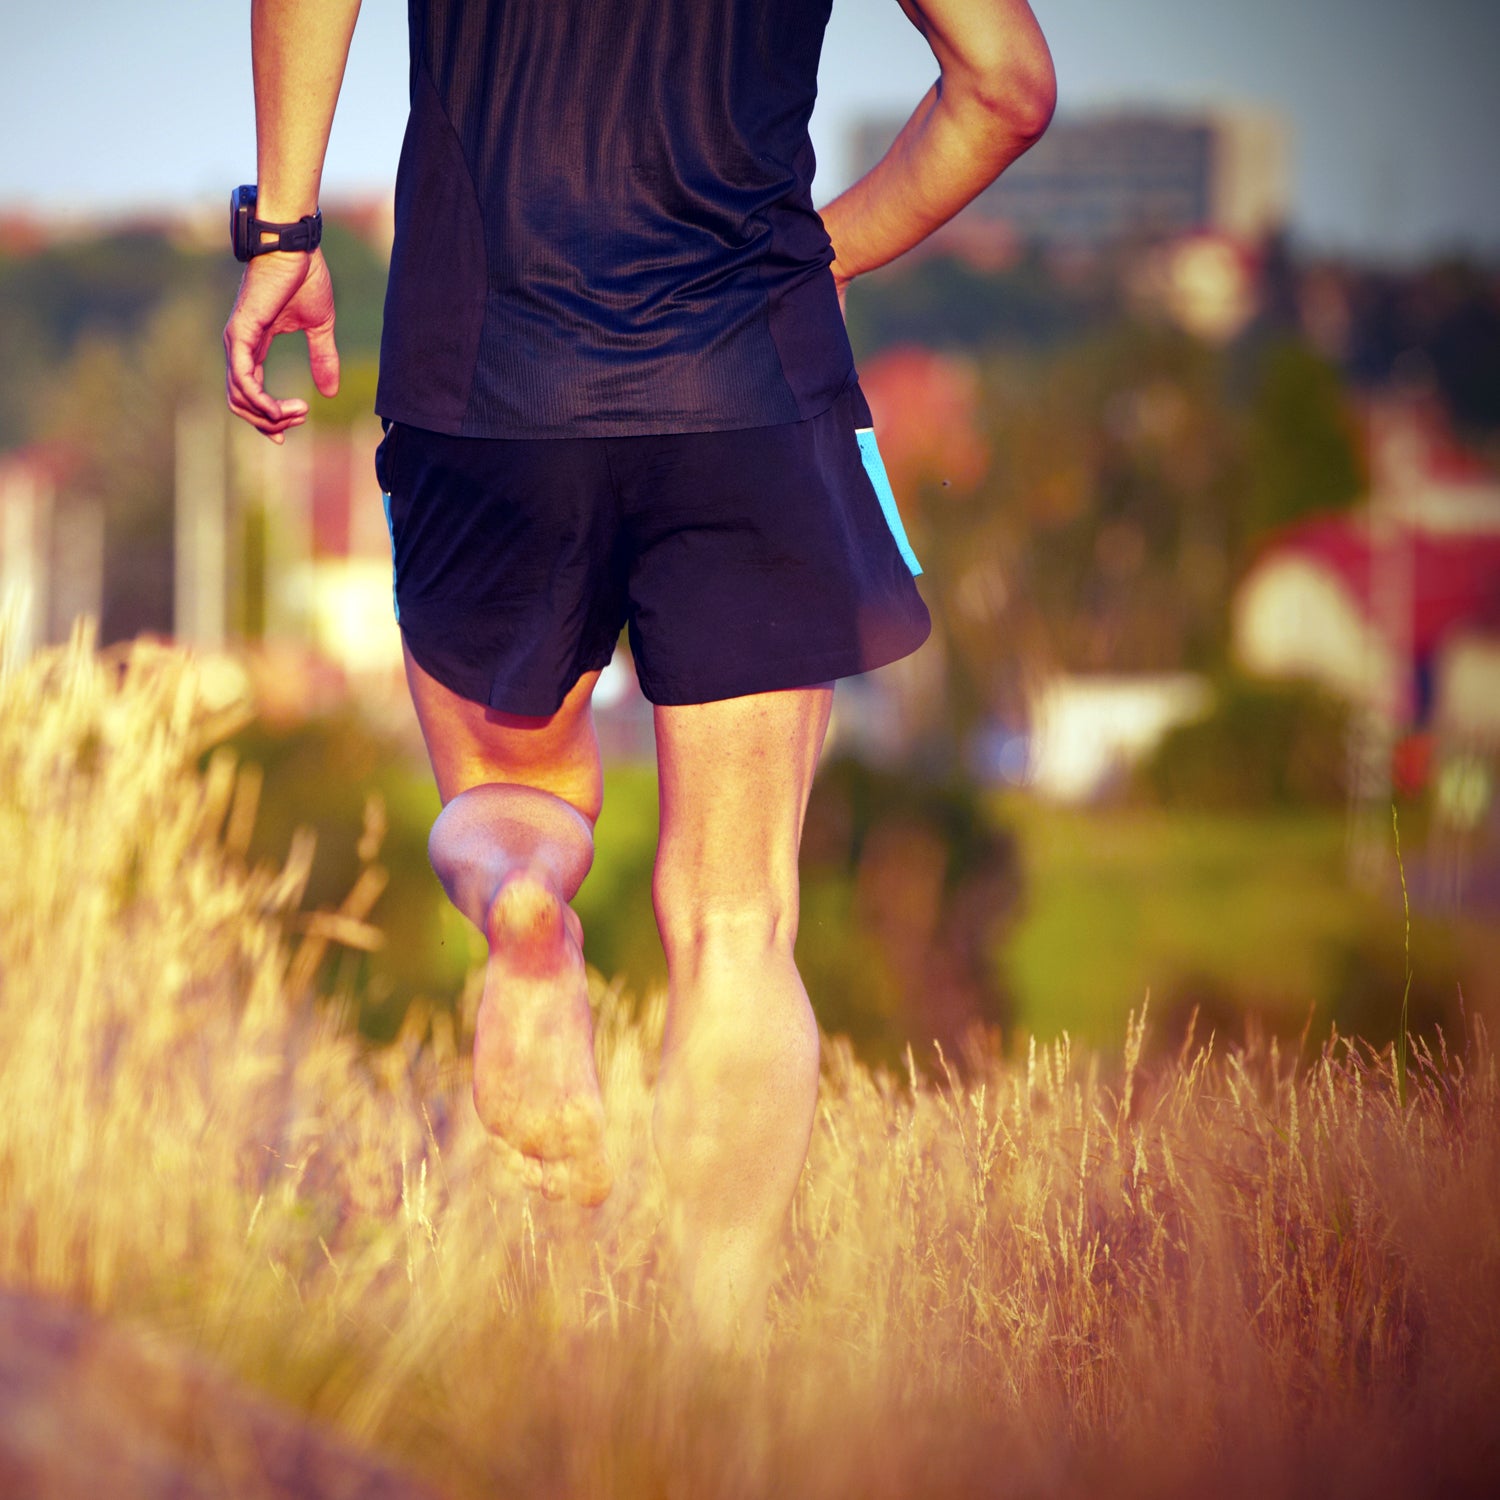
(1252, 911)
(1070, 1273)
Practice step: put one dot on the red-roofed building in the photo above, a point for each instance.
(1369, 603)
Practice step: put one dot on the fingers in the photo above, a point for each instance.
(323, 357)
(249, 401)
(840, 284)
(279, 294)
(246, 391)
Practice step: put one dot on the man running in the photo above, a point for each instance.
(618, 394)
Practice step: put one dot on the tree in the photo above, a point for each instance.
(1303, 451)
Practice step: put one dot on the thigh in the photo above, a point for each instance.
(735, 777)
(471, 745)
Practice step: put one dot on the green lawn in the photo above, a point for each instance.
(1236, 912)
(1254, 910)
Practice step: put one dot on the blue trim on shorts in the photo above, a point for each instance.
(385, 500)
(869, 451)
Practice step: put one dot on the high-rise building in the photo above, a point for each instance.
(1132, 175)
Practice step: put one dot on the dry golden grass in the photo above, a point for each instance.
(1057, 1276)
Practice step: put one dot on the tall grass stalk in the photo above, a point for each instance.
(1406, 949)
(1187, 1272)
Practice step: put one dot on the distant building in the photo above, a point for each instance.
(1128, 176)
(326, 575)
(1374, 603)
(51, 548)
(1090, 731)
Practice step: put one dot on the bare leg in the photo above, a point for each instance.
(739, 1074)
(511, 847)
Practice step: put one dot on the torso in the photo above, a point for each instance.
(605, 222)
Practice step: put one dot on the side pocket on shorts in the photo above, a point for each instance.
(384, 451)
(869, 452)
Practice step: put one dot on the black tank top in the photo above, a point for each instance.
(604, 221)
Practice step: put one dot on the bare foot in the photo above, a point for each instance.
(535, 1084)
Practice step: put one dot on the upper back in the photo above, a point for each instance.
(619, 196)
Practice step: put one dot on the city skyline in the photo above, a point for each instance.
(1391, 108)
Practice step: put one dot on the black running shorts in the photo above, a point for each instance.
(741, 562)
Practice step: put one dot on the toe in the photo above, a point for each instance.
(527, 1168)
(555, 1180)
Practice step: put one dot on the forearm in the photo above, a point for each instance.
(299, 48)
(992, 101)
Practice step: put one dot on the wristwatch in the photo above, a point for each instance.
(245, 230)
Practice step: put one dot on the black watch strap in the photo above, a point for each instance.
(248, 234)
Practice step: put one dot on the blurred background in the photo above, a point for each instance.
(1194, 419)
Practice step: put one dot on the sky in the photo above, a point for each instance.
(1393, 105)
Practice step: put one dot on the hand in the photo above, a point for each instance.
(841, 286)
(285, 292)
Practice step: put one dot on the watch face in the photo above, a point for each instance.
(241, 212)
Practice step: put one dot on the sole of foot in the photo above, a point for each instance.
(535, 1083)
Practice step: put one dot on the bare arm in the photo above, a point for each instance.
(299, 48)
(993, 99)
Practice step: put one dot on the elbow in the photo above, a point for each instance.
(1017, 93)
(1014, 86)
(1032, 101)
